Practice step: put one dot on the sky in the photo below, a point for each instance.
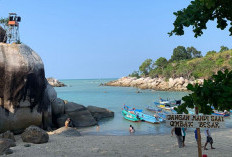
(85, 39)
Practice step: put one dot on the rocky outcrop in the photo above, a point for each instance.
(100, 113)
(27, 99)
(177, 84)
(80, 115)
(34, 134)
(55, 83)
(24, 91)
(2, 34)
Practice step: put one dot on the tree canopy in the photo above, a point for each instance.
(193, 68)
(161, 62)
(224, 48)
(216, 92)
(146, 67)
(180, 53)
(194, 53)
(199, 12)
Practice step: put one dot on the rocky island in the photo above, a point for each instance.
(55, 83)
(172, 84)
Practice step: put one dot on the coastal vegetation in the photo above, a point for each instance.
(199, 12)
(187, 63)
(215, 92)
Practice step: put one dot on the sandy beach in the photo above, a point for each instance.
(131, 146)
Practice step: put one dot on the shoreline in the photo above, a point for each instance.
(143, 145)
(161, 84)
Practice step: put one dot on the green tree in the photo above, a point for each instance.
(210, 52)
(145, 67)
(199, 12)
(4, 22)
(224, 48)
(193, 51)
(161, 62)
(180, 53)
(135, 74)
(216, 92)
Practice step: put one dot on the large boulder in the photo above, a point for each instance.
(57, 108)
(98, 113)
(71, 107)
(24, 93)
(79, 115)
(82, 118)
(34, 134)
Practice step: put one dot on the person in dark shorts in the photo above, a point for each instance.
(178, 136)
(209, 139)
(183, 134)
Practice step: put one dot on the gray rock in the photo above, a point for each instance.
(9, 151)
(73, 107)
(18, 121)
(98, 113)
(5, 144)
(82, 118)
(23, 88)
(2, 34)
(55, 83)
(67, 132)
(61, 120)
(57, 108)
(27, 145)
(34, 134)
(8, 135)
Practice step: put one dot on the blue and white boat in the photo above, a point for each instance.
(147, 118)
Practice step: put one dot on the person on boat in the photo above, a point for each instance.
(178, 136)
(209, 139)
(131, 129)
(183, 134)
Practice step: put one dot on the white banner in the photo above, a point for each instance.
(195, 121)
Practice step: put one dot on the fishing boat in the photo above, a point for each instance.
(162, 115)
(163, 102)
(147, 118)
(128, 108)
(166, 106)
(129, 116)
(154, 109)
(225, 114)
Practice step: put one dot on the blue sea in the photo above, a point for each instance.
(88, 92)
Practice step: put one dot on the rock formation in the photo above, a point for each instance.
(2, 34)
(24, 91)
(27, 99)
(34, 134)
(55, 83)
(5, 145)
(177, 84)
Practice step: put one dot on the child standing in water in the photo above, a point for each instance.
(131, 129)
